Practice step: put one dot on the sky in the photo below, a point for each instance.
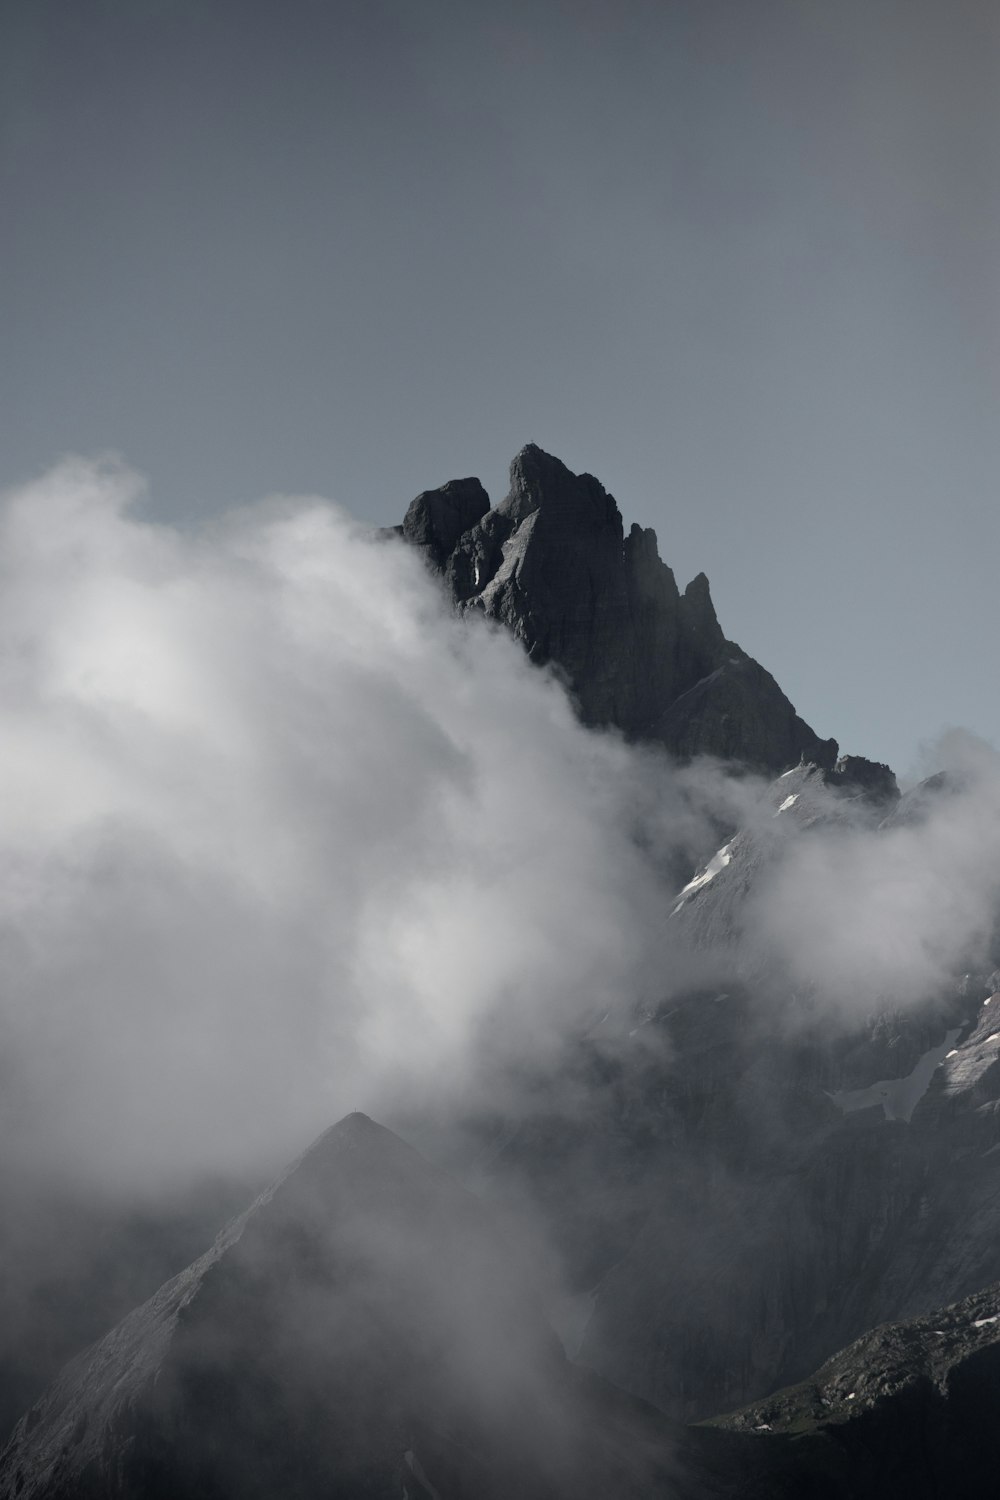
(738, 258)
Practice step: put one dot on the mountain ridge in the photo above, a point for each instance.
(552, 563)
(362, 1328)
(183, 1398)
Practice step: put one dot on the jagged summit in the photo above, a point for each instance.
(539, 479)
(436, 519)
(552, 562)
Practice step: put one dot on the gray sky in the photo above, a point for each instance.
(740, 260)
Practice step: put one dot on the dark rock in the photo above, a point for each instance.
(551, 563)
(908, 1409)
(807, 1171)
(739, 713)
(437, 518)
(873, 780)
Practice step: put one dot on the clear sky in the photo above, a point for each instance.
(739, 258)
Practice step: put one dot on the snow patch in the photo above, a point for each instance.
(788, 802)
(790, 772)
(718, 862)
(983, 1322)
(898, 1097)
(597, 1025)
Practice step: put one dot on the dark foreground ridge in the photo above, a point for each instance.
(364, 1329)
(909, 1409)
(551, 562)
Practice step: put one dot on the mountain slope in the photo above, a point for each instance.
(756, 1181)
(361, 1329)
(909, 1409)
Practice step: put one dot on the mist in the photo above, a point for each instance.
(867, 914)
(284, 838)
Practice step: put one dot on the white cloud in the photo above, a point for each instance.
(868, 917)
(283, 837)
(281, 834)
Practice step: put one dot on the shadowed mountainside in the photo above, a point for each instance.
(362, 1329)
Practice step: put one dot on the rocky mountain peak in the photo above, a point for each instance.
(868, 778)
(576, 502)
(437, 518)
(552, 563)
(699, 612)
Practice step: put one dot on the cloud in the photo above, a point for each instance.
(284, 837)
(869, 917)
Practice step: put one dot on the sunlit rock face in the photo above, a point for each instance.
(552, 563)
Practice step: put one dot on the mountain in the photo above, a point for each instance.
(730, 1184)
(755, 1182)
(551, 562)
(362, 1329)
(736, 1124)
(909, 1409)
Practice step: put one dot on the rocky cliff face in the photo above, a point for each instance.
(551, 562)
(909, 1409)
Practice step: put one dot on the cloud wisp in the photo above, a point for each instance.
(867, 917)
